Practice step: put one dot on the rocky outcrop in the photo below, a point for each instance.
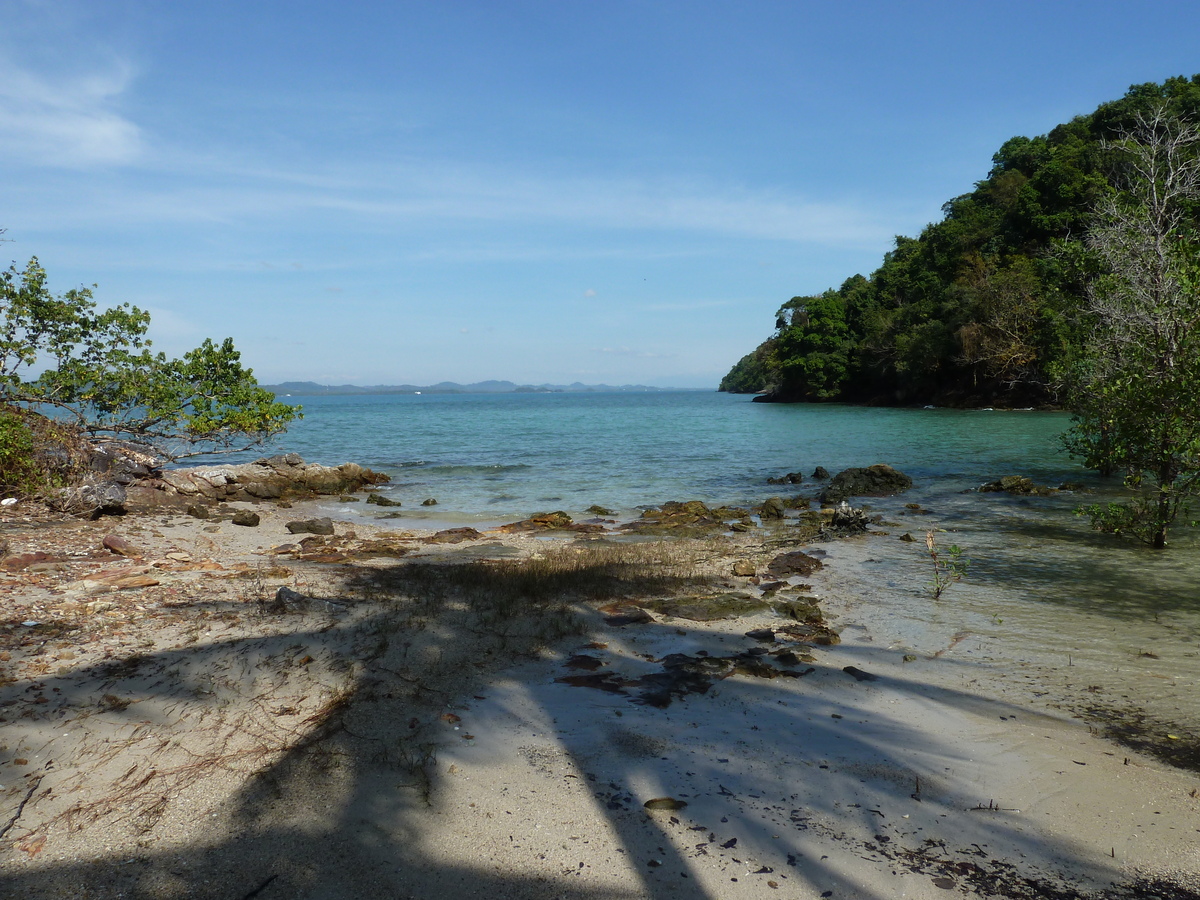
(1017, 484)
(270, 478)
(873, 481)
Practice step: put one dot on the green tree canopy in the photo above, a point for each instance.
(982, 306)
(97, 368)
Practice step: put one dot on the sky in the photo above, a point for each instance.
(542, 192)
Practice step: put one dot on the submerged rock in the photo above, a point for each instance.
(540, 522)
(797, 562)
(789, 478)
(710, 607)
(1017, 484)
(874, 481)
(380, 500)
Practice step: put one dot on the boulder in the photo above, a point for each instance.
(874, 481)
(772, 508)
(1017, 484)
(820, 473)
(453, 536)
(380, 500)
(797, 562)
(106, 498)
(539, 522)
(116, 544)
(323, 525)
(270, 478)
(250, 519)
(789, 478)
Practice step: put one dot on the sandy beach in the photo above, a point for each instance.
(193, 708)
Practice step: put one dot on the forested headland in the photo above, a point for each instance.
(984, 307)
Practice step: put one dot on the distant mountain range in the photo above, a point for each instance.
(311, 388)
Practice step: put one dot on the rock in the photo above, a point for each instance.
(1017, 484)
(625, 614)
(664, 803)
(820, 473)
(744, 567)
(772, 508)
(539, 522)
(907, 538)
(124, 461)
(429, 502)
(25, 560)
(103, 499)
(198, 511)
(270, 478)
(323, 525)
(453, 536)
(380, 500)
(797, 562)
(180, 482)
(118, 545)
(596, 510)
(874, 481)
(710, 607)
(250, 519)
(789, 478)
(690, 517)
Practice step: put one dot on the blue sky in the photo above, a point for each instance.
(620, 192)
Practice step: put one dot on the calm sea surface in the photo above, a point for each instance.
(1103, 619)
(505, 455)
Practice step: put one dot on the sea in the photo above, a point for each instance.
(1094, 622)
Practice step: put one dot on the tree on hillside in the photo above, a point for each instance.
(97, 369)
(1135, 385)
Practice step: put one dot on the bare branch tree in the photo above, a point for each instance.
(1134, 390)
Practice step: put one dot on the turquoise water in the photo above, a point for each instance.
(1045, 597)
(499, 456)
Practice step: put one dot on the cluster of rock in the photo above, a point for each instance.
(271, 478)
(1019, 484)
(124, 474)
(873, 481)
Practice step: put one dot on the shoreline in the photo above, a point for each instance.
(212, 739)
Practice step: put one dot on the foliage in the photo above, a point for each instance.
(98, 370)
(36, 452)
(1134, 383)
(812, 349)
(947, 570)
(981, 307)
(752, 372)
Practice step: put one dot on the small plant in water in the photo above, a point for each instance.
(946, 569)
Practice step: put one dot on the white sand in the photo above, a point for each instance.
(910, 785)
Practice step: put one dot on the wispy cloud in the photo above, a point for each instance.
(630, 353)
(67, 121)
(420, 194)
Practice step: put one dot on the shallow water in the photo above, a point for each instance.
(1046, 604)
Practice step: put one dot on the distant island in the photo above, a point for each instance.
(311, 388)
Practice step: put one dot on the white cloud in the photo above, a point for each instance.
(633, 354)
(67, 121)
(589, 293)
